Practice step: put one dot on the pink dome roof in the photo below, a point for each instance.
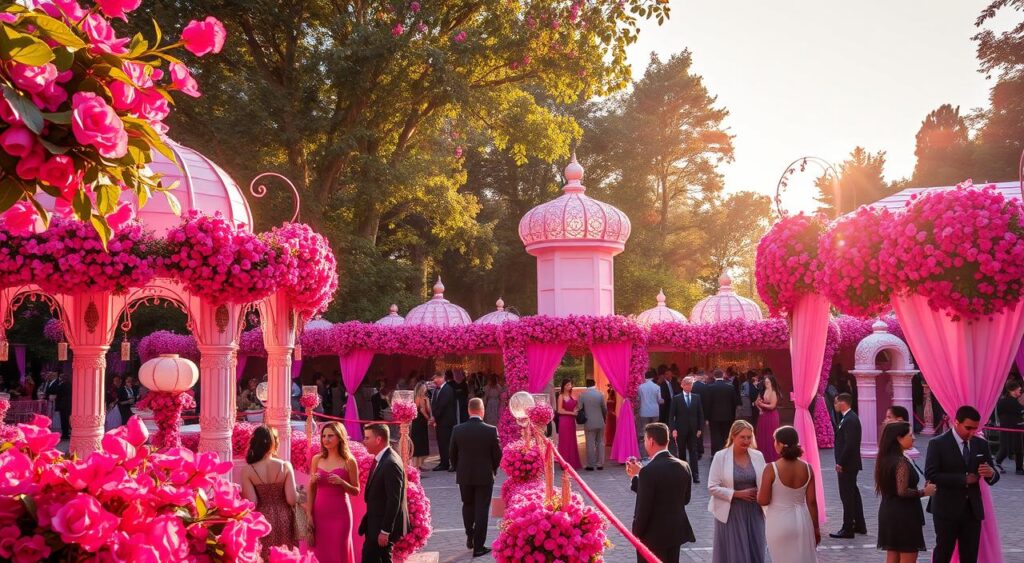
(392, 318)
(574, 218)
(317, 323)
(438, 311)
(725, 306)
(202, 185)
(497, 316)
(660, 314)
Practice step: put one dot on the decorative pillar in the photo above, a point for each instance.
(279, 334)
(929, 415)
(88, 370)
(867, 409)
(902, 394)
(217, 331)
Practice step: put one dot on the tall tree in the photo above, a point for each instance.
(943, 148)
(1000, 138)
(860, 182)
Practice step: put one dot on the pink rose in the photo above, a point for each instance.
(17, 141)
(459, 37)
(118, 8)
(152, 106)
(183, 81)
(51, 97)
(95, 123)
(20, 219)
(28, 167)
(31, 549)
(102, 35)
(59, 172)
(397, 30)
(84, 521)
(8, 114)
(203, 37)
(125, 96)
(167, 537)
(64, 9)
(32, 79)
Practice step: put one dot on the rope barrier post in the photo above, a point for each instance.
(549, 472)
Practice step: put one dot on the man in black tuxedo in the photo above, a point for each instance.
(442, 408)
(848, 464)
(700, 387)
(955, 462)
(662, 490)
(665, 386)
(1011, 415)
(387, 508)
(686, 419)
(720, 409)
(475, 456)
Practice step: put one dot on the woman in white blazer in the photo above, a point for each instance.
(733, 483)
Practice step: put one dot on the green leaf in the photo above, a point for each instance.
(159, 36)
(10, 192)
(201, 503)
(53, 148)
(56, 30)
(140, 126)
(43, 213)
(63, 118)
(143, 194)
(113, 72)
(22, 48)
(107, 198)
(28, 111)
(63, 58)
(82, 205)
(138, 46)
(30, 505)
(172, 202)
(100, 224)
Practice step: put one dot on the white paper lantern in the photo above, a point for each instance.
(169, 373)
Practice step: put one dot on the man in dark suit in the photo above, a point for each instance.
(475, 456)
(955, 462)
(387, 508)
(1011, 415)
(442, 408)
(700, 388)
(848, 464)
(686, 419)
(720, 409)
(665, 386)
(662, 490)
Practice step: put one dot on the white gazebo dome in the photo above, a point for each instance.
(498, 316)
(661, 313)
(392, 318)
(725, 306)
(438, 311)
(317, 323)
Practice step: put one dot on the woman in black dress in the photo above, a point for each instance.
(420, 440)
(900, 517)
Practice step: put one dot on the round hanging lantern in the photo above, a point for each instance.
(169, 373)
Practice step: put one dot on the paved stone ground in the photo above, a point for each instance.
(613, 488)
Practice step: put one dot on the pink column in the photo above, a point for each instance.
(902, 394)
(279, 323)
(217, 332)
(929, 428)
(867, 410)
(87, 409)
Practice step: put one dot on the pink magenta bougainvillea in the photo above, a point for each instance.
(850, 251)
(309, 401)
(960, 248)
(787, 264)
(167, 342)
(311, 277)
(124, 502)
(53, 330)
(167, 409)
(520, 463)
(403, 412)
(540, 414)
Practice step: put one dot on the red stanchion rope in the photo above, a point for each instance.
(640, 547)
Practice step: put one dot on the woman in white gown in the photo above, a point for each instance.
(791, 509)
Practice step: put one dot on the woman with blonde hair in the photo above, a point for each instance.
(333, 476)
(418, 431)
(270, 483)
(733, 482)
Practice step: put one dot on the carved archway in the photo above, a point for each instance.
(899, 371)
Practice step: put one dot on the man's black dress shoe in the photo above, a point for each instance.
(600, 468)
(481, 552)
(589, 468)
(440, 468)
(862, 530)
(469, 542)
(1020, 472)
(842, 534)
(696, 479)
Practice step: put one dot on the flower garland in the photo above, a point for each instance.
(521, 463)
(122, 503)
(850, 251)
(167, 409)
(403, 412)
(787, 264)
(961, 249)
(167, 342)
(312, 274)
(15, 268)
(724, 336)
(823, 431)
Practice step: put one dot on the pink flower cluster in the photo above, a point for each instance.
(250, 343)
(167, 342)
(280, 554)
(221, 262)
(540, 414)
(5, 406)
(532, 530)
(167, 409)
(309, 401)
(852, 329)
(787, 263)
(520, 463)
(822, 421)
(961, 248)
(849, 251)
(311, 276)
(122, 503)
(53, 330)
(403, 412)
(731, 335)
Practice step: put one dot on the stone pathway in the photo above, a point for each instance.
(613, 487)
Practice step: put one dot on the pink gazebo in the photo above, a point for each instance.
(392, 318)
(498, 315)
(660, 313)
(438, 311)
(725, 305)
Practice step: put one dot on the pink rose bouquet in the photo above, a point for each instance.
(312, 272)
(167, 409)
(403, 412)
(83, 109)
(522, 464)
(787, 264)
(310, 401)
(532, 530)
(541, 414)
(960, 248)
(849, 252)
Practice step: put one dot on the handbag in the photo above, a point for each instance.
(302, 531)
(581, 416)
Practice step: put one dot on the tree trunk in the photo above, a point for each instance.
(369, 225)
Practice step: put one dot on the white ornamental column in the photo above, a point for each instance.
(88, 370)
(867, 410)
(279, 333)
(902, 394)
(217, 331)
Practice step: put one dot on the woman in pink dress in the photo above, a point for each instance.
(333, 476)
(768, 421)
(567, 445)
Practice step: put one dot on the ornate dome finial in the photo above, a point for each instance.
(393, 309)
(500, 304)
(661, 297)
(438, 289)
(725, 282)
(879, 326)
(573, 175)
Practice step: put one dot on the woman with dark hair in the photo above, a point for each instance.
(900, 518)
(567, 407)
(768, 416)
(333, 477)
(270, 483)
(791, 507)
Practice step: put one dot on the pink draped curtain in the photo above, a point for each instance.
(964, 364)
(614, 360)
(240, 366)
(19, 358)
(353, 369)
(1020, 358)
(808, 332)
(541, 361)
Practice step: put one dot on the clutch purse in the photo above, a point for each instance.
(302, 530)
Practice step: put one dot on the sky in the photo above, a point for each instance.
(821, 77)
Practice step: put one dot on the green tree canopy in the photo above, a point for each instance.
(944, 148)
(860, 182)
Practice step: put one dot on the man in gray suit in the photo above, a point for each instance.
(595, 409)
